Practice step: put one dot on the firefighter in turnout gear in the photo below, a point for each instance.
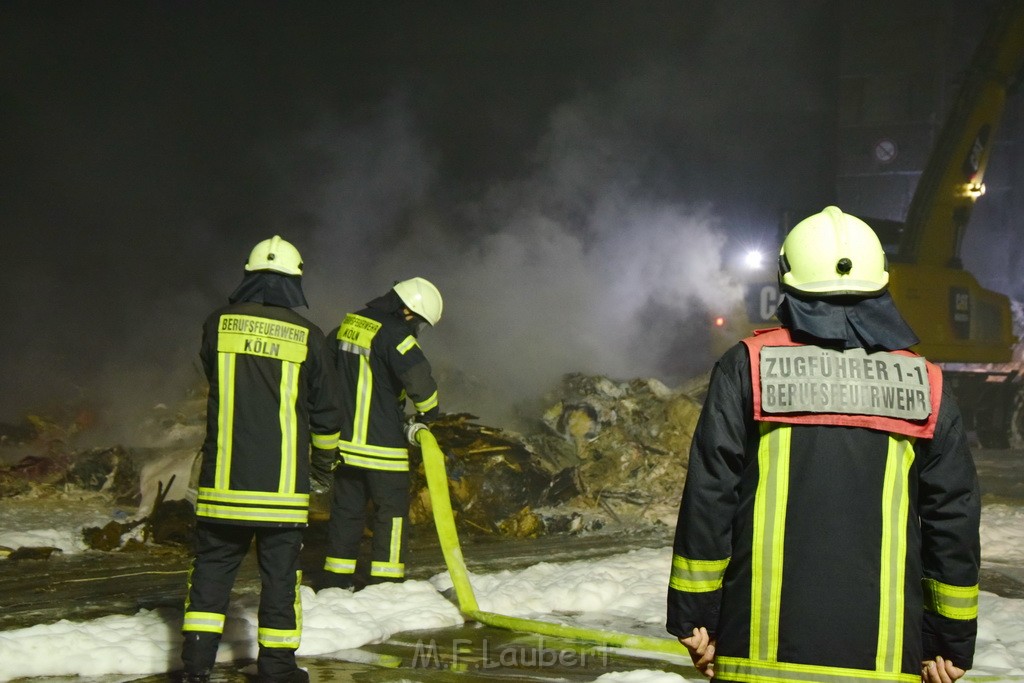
(828, 528)
(272, 396)
(379, 365)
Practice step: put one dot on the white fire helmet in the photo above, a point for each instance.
(832, 254)
(422, 298)
(277, 255)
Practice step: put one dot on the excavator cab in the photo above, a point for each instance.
(957, 320)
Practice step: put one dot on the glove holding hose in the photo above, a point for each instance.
(412, 426)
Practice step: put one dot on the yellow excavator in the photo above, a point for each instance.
(963, 326)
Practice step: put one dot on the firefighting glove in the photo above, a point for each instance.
(411, 427)
(322, 462)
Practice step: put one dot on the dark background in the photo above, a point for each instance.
(573, 175)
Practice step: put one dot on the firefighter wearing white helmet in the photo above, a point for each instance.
(828, 526)
(272, 397)
(276, 255)
(833, 254)
(273, 275)
(380, 366)
(422, 298)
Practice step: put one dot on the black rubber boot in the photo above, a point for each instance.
(199, 654)
(277, 665)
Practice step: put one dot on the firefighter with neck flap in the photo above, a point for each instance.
(379, 365)
(272, 397)
(828, 528)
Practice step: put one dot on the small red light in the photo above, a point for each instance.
(719, 321)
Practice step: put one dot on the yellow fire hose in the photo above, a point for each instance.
(444, 520)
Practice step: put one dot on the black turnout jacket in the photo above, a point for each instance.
(379, 365)
(272, 396)
(823, 552)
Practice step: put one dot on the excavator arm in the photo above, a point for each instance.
(952, 180)
(957, 319)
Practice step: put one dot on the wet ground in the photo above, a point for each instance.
(90, 585)
(467, 653)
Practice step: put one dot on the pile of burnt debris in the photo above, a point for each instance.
(40, 460)
(602, 454)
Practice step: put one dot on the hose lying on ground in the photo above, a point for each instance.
(444, 521)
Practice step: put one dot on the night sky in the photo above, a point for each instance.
(569, 173)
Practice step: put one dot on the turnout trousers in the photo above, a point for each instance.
(220, 549)
(388, 494)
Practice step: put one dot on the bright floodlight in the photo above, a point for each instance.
(753, 259)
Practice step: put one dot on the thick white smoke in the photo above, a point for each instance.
(577, 266)
(588, 242)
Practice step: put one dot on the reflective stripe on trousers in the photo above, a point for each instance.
(769, 527)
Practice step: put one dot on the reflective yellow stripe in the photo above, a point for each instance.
(371, 463)
(253, 497)
(375, 457)
(206, 622)
(388, 452)
(226, 418)
(395, 570)
(273, 637)
(895, 506)
(338, 565)
(750, 671)
(954, 602)
(289, 427)
(297, 605)
(326, 441)
(407, 344)
(285, 638)
(769, 540)
(252, 514)
(392, 567)
(395, 553)
(697, 576)
(356, 335)
(253, 506)
(364, 393)
(427, 403)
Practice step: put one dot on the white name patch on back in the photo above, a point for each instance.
(810, 379)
